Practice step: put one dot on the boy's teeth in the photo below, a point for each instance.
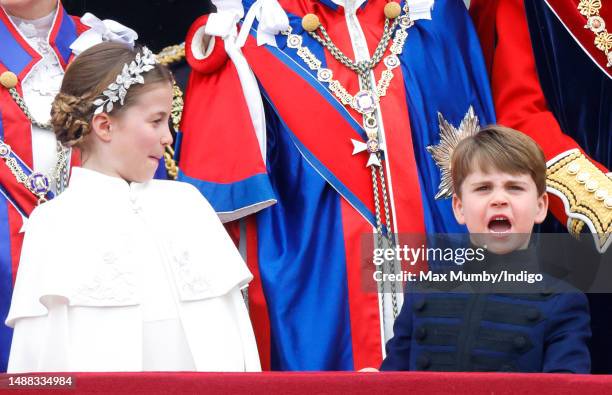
(500, 225)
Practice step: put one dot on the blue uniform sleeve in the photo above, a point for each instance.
(568, 331)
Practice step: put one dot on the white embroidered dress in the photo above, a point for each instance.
(110, 281)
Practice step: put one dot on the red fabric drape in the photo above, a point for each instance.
(327, 383)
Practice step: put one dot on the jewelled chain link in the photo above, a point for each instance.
(60, 170)
(365, 65)
(361, 66)
(366, 82)
(17, 171)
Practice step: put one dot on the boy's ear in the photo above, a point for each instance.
(101, 126)
(458, 209)
(542, 208)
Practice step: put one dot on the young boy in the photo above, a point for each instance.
(499, 179)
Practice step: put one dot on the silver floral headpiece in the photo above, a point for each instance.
(130, 74)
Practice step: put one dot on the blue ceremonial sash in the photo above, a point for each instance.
(323, 171)
(344, 125)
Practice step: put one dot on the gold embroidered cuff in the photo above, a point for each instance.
(586, 193)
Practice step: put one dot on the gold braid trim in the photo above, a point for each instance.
(171, 54)
(167, 56)
(587, 191)
(171, 167)
(175, 114)
(177, 107)
(576, 227)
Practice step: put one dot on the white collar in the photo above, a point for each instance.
(101, 184)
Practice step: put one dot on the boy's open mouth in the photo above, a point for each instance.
(499, 224)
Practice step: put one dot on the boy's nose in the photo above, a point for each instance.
(499, 200)
(499, 203)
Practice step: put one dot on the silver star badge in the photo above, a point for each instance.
(443, 151)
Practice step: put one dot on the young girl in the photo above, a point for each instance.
(108, 280)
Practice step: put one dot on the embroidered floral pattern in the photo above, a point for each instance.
(589, 7)
(190, 282)
(112, 283)
(603, 41)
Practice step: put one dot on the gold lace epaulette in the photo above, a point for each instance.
(586, 193)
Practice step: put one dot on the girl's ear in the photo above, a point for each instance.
(101, 126)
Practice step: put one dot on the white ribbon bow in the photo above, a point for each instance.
(101, 31)
(272, 20)
(223, 22)
(420, 9)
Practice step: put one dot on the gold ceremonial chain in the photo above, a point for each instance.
(37, 182)
(595, 23)
(364, 101)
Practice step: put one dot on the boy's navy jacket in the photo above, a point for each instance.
(544, 331)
